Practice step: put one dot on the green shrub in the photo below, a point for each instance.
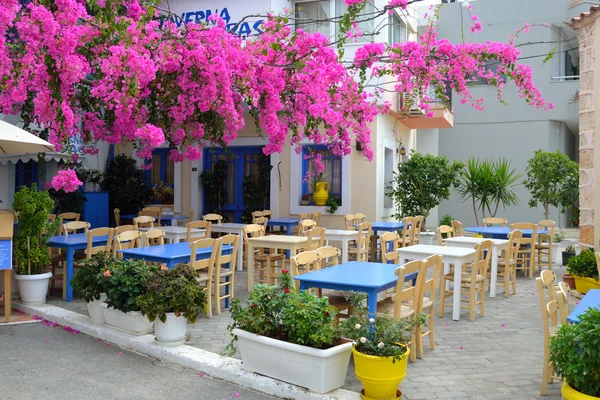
(127, 185)
(89, 281)
(126, 282)
(583, 265)
(446, 220)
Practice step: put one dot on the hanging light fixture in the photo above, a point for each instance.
(402, 151)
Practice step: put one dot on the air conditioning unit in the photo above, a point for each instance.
(414, 109)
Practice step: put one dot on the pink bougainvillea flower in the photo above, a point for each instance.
(460, 347)
(201, 374)
(120, 353)
(67, 180)
(46, 342)
(447, 324)
(237, 394)
(503, 325)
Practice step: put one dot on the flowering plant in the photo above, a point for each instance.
(89, 281)
(381, 335)
(67, 180)
(172, 290)
(163, 192)
(126, 282)
(282, 313)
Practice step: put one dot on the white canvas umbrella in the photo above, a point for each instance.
(14, 140)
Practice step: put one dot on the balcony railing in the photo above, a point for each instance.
(565, 78)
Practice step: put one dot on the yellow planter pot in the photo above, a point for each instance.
(583, 285)
(571, 394)
(379, 376)
(321, 193)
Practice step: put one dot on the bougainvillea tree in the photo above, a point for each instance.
(116, 71)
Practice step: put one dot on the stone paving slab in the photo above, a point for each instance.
(498, 356)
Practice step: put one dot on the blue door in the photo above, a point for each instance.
(241, 162)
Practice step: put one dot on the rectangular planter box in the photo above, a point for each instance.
(132, 322)
(584, 285)
(318, 370)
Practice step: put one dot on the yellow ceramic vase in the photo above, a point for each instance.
(379, 376)
(321, 193)
(584, 285)
(571, 394)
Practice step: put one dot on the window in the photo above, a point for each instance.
(313, 16)
(332, 173)
(162, 168)
(396, 29)
(367, 28)
(26, 173)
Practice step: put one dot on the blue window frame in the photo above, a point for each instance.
(162, 168)
(26, 173)
(331, 174)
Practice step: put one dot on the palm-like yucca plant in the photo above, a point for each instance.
(506, 179)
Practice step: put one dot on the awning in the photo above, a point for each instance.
(15, 158)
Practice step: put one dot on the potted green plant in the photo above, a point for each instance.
(556, 243)
(172, 298)
(574, 355)
(567, 253)
(162, 194)
(31, 247)
(92, 178)
(584, 269)
(90, 283)
(124, 284)
(333, 203)
(380, 350)
(290, 336)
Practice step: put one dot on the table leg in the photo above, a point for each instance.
(345, 245)
(69, 273)
(171, 264)
(288, 229)
(303, 286)
(7, 294)
(250, 266)
(456, 296)
(240, 254)
(227, 279)
(173, 222)
(372, 302)
(494, 272)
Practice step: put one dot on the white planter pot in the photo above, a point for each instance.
(317, 370)
(33, 288)
(14, 287)
(132, 322)
(172, 332)
(556, 254)
(96, 311)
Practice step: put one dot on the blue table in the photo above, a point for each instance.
(498, 232)
(590, 300)
(72, 242)
(387, 226)
(287, 223)
(164, 219)
(367, 277)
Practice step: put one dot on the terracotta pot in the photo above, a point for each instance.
(569, 280)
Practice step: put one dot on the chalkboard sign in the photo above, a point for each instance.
(5, 254)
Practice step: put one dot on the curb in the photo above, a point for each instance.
(213, 365)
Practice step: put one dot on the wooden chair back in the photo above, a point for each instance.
(329, 256)
(527, 240)
(350, 222)
(305, 225)
(549, 305)
(514, 242)
(303, 262)
(126, 240)
(153, 208)
(260, 221)
(389, 248)
(213, 218)
(52, 218)
(487, 222)
(155, 237)
(316, 216)
(154, 212)
(205, 265)
(69, 216)
(418, 227)
(257, 214)
(75, 226)
(443, 230)
(410, 294)
(457, 227)
(315, 238)
(562, 293)
(250, 231)
(546, 238)
(430, 280)
(359, 218)
(365, 231)
(267, 214)
(408, 231)
(222, 259)
(124, 228)
(144, 221)
(483, 257)
(95, 248)
(117, 214)
(192, 236)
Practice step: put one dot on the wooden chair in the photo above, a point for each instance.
(75, 226)
(389, 248)
(261, 221)
(266, 262)
(329, 256)
(432, 268)
(257, 214)
(507, 265)
(457, 227)
(155, 237)
(316, 216)
(120, 229)
(224, 275)
(204, 268)
(191, 236)
(360, 252)
(63, 218)
(406, 238)
(443, 230)
(543, 247)
(487, 222)
(267, 213)
(155, 212)
(126, 240)
(315, 238)
(117, 214)
(350, 222)
(52, 218)
(406, 299)
(526, 254)
(550, 316)
(472, 283)
(305, 225)
(144, 221)
(301, 218)
(153, 208)
(303, 262)
(359, 218)
(418, 227)
(57, 256)
(213, 218)
(92, 248)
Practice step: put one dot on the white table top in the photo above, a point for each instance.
(474, 240)
(445, 251)
(340, 232)
(279, 239)
(174, 229)
(228, 225)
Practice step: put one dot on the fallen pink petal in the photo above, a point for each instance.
(120, 353)
(201, 374)
(503, 325)
(237, 394)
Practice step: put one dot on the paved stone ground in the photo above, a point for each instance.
(498, 356)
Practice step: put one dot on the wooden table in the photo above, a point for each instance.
(343, 236)
(590, 300)
(450, 255)
(470, 242)
(287, 223)
(236, 229)
(391, 226)
(499, 232)
(168, 219)
(278, 242)
(169, 254)
(174, 234)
